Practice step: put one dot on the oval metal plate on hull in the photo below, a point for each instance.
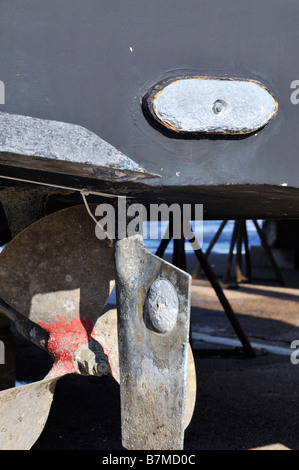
(216, 106)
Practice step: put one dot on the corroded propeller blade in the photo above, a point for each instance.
(23, 413)
(57, 273)
(56, 277)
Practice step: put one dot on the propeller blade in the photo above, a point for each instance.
(55, 279)
(57, 270)
(23, 413)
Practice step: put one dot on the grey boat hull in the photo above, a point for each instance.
(92, 64)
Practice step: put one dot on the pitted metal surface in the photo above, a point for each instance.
(153, 366)
(201, 104)
(57, 266)
(24, 412)
(162, 305)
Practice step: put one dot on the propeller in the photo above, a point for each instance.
(55, 279)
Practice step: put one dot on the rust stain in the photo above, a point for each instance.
(141, 296)
(139, 340)
(139, 332)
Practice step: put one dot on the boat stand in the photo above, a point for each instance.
(179, 260)
(240, 236)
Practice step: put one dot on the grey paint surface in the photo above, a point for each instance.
(89, 63)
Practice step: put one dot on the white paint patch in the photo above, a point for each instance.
(235, 343)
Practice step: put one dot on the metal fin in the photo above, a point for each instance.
(105, 331)
(153, 364)
(59, 147)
